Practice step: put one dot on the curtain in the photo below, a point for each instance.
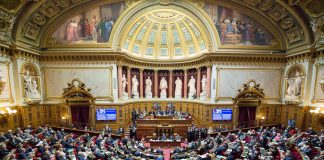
(247, 116)
(80, 114)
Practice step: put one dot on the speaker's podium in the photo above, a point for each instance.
(153, 128)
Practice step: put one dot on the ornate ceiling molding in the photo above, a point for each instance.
(282, 15)
(37, 17)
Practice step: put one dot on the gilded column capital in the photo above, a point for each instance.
(218, 68)
(156, 70)
(141, 69)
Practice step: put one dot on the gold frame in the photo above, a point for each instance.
(10, 99)
(315, 98)
(218, 69)
(98, 98)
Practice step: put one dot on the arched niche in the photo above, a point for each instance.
(294, 84)
(30, 82)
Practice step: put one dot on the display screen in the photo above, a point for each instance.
(106, 114)
(222, 114)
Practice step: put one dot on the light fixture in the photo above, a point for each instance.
(63, 118)
(311, 111)
(8, 111)
(316, 111)
(2, 85)
(262, 117)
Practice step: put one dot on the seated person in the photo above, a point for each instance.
(120, 130)
(178, 138)
(171, 138)
(163, 138)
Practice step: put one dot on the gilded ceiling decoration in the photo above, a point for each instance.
(165, 34)
(31, 24)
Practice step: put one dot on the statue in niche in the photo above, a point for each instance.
(294, 86)
(135, 86)
(124, 84)
(31, 91)
(178, 88)
(163, 87)
(192, 87)
(148, 87)
(204, 85)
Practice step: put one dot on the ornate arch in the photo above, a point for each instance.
(185, 13)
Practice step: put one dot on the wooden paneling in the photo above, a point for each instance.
(202, 114)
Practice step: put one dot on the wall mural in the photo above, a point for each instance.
(235, 28)
(90, 27)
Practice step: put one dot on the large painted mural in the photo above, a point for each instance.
(91, 26)
(237, 29)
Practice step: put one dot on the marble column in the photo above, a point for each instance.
(129, 82)
(170, 83)
(120, 85)
(198, 82)
(208, 81)
(156, 85)
(185, 81)
(141, 83)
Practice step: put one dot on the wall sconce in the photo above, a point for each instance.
(316, 111)
(8, 111)
(262, 117)
(63, 118)
(2, 85)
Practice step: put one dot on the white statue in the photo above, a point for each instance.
(178, 88)
(204, 85)
(30, 87)
(294, 86)
(148, 87)
(135, 86)
(192, 87)
(163, 87)
(124, 84)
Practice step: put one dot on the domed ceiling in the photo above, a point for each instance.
(164, 33)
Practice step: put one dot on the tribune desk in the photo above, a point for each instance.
(149, 126)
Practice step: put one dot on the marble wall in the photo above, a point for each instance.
(226, 80)
(100, 78)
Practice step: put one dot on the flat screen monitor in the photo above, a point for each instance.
(222, 114)
(106, 114)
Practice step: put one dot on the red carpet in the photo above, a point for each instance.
(167, 153)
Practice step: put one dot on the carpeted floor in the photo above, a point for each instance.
(166, 151)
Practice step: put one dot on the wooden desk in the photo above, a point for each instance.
(147, 127)
(81, 132)
(165, 144)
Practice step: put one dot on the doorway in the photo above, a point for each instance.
(80, 116)
(247, 117)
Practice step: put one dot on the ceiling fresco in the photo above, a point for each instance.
(289, 26)
(235, 28)
(91, 26)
